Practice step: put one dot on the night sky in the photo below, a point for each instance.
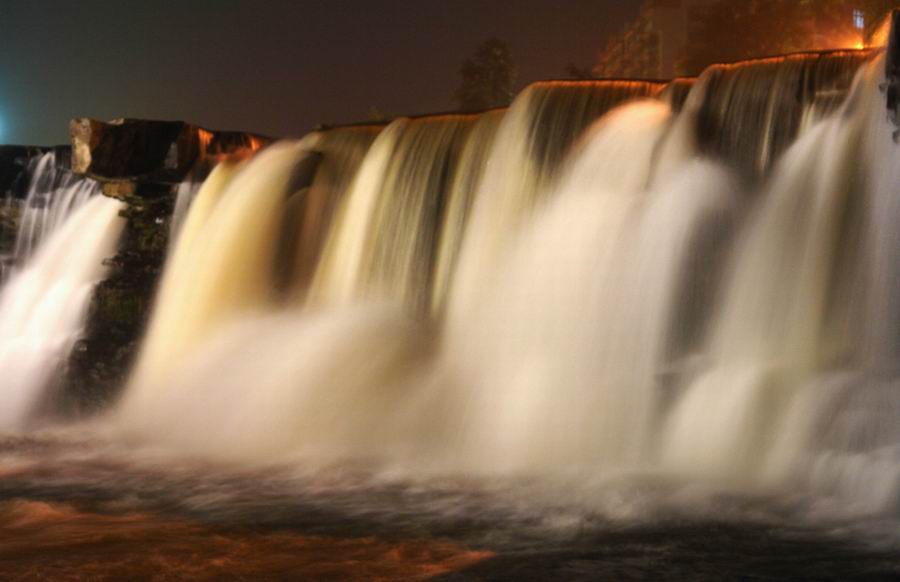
(277, 67)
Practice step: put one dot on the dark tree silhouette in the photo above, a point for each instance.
(579, 73)
(487, 77)
(731, 30)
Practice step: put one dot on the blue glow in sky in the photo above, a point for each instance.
(278, 67)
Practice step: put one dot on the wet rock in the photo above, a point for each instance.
(99, 364)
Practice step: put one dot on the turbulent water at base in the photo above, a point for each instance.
(616, 315)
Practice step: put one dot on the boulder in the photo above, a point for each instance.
(164, 151)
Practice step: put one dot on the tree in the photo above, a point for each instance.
(378, 114)
(731, 30)
(579, 73)
(487, 77)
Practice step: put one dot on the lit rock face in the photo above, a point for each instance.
(157, 150)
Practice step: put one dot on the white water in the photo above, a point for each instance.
(223, 265)
(341, 268)
(562, 355)
(324, 384)
(52, 195)
(521, 171)
(473, 163)
(646, 309)
(789, 329)
(42, 308)
(185, 194)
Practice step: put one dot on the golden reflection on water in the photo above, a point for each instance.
(53, 541)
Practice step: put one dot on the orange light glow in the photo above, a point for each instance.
(846, 41)
(205, 137)
(255, 143)
(882, 33)
(50, 541)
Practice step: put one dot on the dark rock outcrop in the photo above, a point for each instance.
(163, 151)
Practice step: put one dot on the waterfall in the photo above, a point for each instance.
(560, 358)
(386, 240)
(750, 112)
(534, 138)
(697, 280)
(224, 263)
(337, 275)
(840, 436)
(793, 313)
(460, 198)
(42, 308)
(185, 193)
(52, 194)
(343, 150)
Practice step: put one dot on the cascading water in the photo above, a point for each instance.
(596, 341)
(790, 314)
(64, 233)
(52, 194)
(472, 165)
(385, 243)
(840, 436)
(42, 308)
(560, 360)
(692, 285)
(185, 193)
(535, 136)
(613, 313)
(342, 150)
(336, 282)
(749, 113)
(224, 263)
